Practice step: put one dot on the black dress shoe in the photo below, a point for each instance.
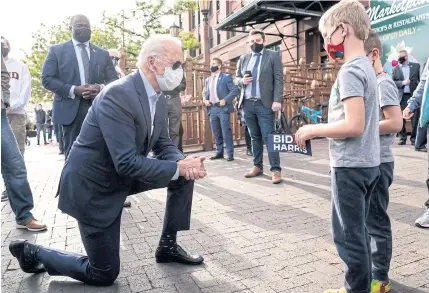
(25, 252)
(413, 142)
(177, 254)
(249, 153)
(230, 159)
(217, 157)
(127, 204)
(61, 153)
(401, 142)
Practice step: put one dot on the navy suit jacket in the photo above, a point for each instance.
(61, 71)
(108, 160)
(225, 89)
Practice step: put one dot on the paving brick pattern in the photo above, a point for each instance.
(256, 237)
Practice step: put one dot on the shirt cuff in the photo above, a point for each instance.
(176, 175)
(71, 93)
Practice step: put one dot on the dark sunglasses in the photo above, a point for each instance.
(114, 58)
(177, 65)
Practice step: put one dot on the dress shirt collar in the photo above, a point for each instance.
(262, 51)
(77, 43)
(149, 88)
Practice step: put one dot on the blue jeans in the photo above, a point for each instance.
(260, 122)
(378, 224)
(351, 192)
(221, 126)
(15, 174)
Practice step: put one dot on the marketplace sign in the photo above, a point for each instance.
(401, 24)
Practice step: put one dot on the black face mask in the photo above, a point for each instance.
(82, 35)
(4, 51)
(402, 60)
(214, 68)
(256, 48)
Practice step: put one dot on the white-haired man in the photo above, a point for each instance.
(115, 56)
(109, 162)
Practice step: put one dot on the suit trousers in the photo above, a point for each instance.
(174, 117)
(71, 132)
(101, 265)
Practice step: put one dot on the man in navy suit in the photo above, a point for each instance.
(108, 162)
(219, 93)
(75, 71)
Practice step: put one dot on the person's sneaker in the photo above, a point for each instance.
(342, 290)
(4, 196)
(380, 287)
(32, 225)
(423, 221)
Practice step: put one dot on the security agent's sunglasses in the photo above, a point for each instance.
(177, 65)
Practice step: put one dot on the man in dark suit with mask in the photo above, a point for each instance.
(406, 77)
(260, 75)
(76, 71)
(109, 161)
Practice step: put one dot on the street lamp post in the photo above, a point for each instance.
(174, 30)
(204, 8)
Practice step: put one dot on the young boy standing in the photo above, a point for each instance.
(354, 142)
(378, 222)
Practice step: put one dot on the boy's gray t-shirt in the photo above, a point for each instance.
(388, 96)
(356, 78)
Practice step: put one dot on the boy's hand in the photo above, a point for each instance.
(303, 134)
(407, 114)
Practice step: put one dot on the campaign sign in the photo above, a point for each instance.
(286, 143)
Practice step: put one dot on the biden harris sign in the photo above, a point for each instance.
(286, 143)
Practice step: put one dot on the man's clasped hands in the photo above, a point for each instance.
(87, 91)
(192, 167)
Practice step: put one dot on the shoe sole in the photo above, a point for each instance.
(18, 226)
(422, 226)
(246, 176)
(4, 199)
(277, 182)
(167, 259)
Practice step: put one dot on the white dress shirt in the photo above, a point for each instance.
(216, 77)
(78, 51)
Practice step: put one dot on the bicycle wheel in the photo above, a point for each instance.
(296, 122)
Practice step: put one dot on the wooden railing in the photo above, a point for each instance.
(303, 80)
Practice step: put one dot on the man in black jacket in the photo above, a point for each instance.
(174, 112)
(406, 76)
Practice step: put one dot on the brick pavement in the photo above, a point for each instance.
(255, 236)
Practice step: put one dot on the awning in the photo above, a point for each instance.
(267, 12)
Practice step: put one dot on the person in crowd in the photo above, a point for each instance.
(247, 138)
(378, 221)
(354, 141)
(260, 75)
(20, 92)
(41, 119)
(58, 130)
(115, 56)
(109, 162)
(421, 97)
(407, 77)
(13, 168)
(174, 111)
(75, 71)
(49, 125)
(219, 95)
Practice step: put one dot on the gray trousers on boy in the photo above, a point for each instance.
(351, 192)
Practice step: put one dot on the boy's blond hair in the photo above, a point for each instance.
(350, 12)
(372, 42)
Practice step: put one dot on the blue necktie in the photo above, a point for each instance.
(255, 74)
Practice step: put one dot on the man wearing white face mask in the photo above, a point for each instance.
(109, 161)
